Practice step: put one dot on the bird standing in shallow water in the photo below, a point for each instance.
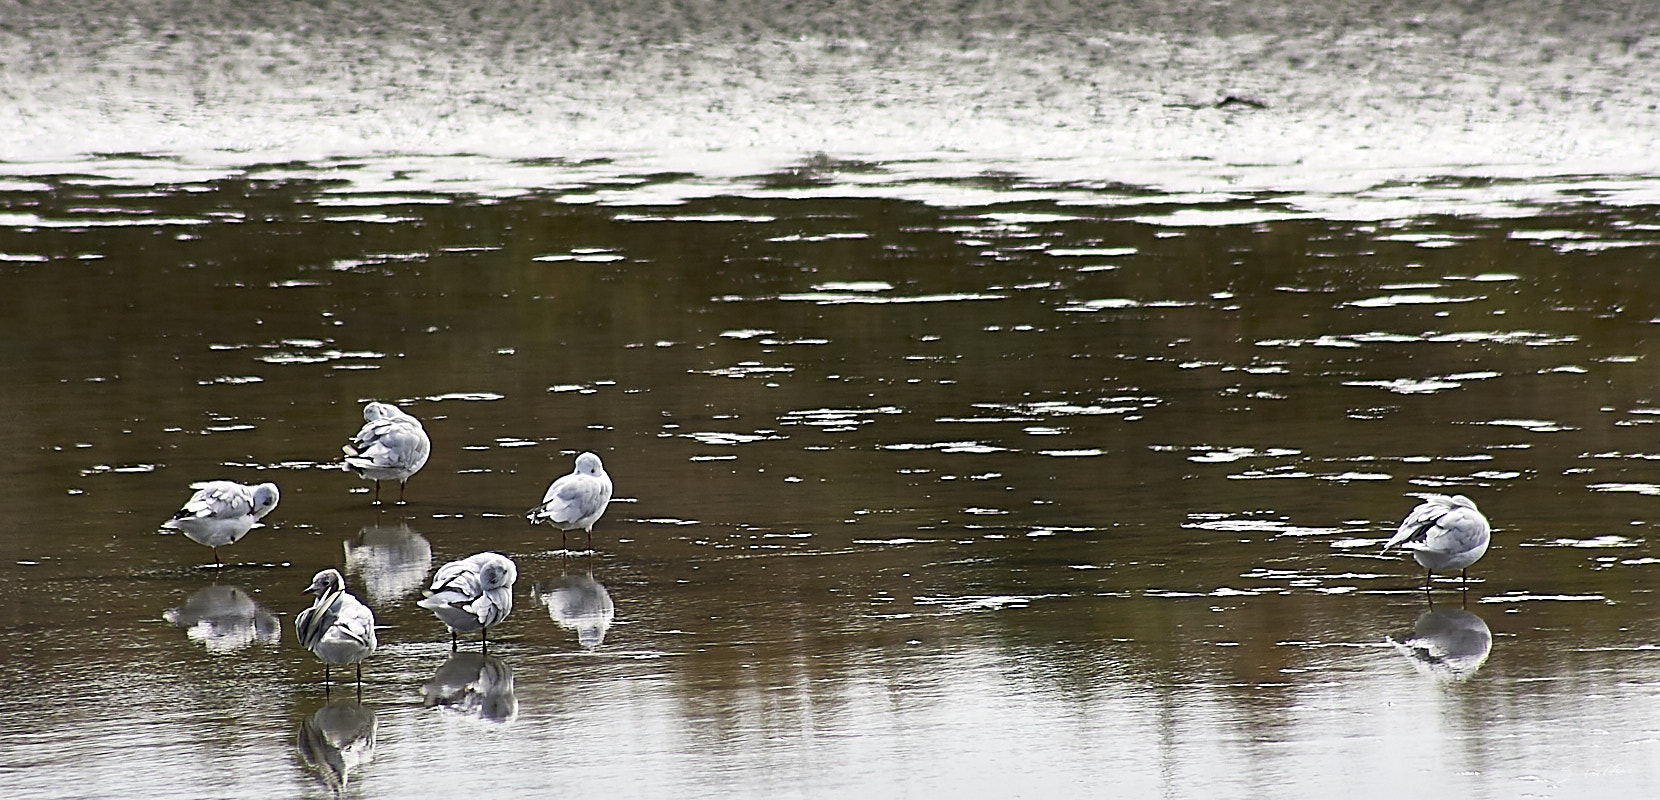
(472, 594)
(576, 500)
(391, 445)
(222, 512)
(338, 627)
(1443, 533)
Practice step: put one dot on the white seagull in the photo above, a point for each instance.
(1443, 533)
(576, 500)
(222, 512)
(338, 627)
(472, 594)
(391, 445)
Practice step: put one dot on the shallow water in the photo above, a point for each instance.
(939, 469)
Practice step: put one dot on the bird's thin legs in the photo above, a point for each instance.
(401, 484)
(377, 493)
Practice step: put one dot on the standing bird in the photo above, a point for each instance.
(472, 594)
(391, 445)
(338, 627)
(576, 500)
(1443, 533)
(222, 512)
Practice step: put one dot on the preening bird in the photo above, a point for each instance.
(576, 500)
(222, 512)
(338, 627)
(391, 445)
(1443, 533)
(472, 594)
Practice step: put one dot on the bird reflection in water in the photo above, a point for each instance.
(337, 741)
(225, 619)
(1447, 644)
(473, 685)
(578, 602)
(390, 561)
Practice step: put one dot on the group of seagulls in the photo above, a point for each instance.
(475, 593)
(469, 594)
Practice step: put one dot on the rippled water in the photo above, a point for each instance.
(940, 472)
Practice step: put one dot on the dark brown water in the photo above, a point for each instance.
(940, 472)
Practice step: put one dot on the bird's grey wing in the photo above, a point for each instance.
(1417, 525)
(312, 623)
(221, 500)
(571, 498)
(391, 443)
(455, 584)
(356, 622)
(493, 606)
(1456, 531)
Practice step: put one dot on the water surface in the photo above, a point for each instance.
(939, 469)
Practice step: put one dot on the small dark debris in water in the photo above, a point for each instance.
(1237, 101)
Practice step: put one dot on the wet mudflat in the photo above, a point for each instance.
(937, 472)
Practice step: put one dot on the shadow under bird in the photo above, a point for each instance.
(472, 594)
(337, 627)
(1443, 533)
(577, 500)
(391, 445)
(220, 513)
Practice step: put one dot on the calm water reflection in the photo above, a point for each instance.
(1447, 644)
(580, 603)
(225, 618)
(390, 562)
(932, 480)
(337, 741)
(475, 685)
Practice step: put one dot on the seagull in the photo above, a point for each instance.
(472, 594)
(222, 512)
(338, 627)
(576, 500)
(392, 445)
(1443, 533)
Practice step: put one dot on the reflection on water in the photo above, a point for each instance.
(224, 619)
(578, 602)
(337, 741)
(1448, 644)
(988, 474)
(473, 685)
(389, 561)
